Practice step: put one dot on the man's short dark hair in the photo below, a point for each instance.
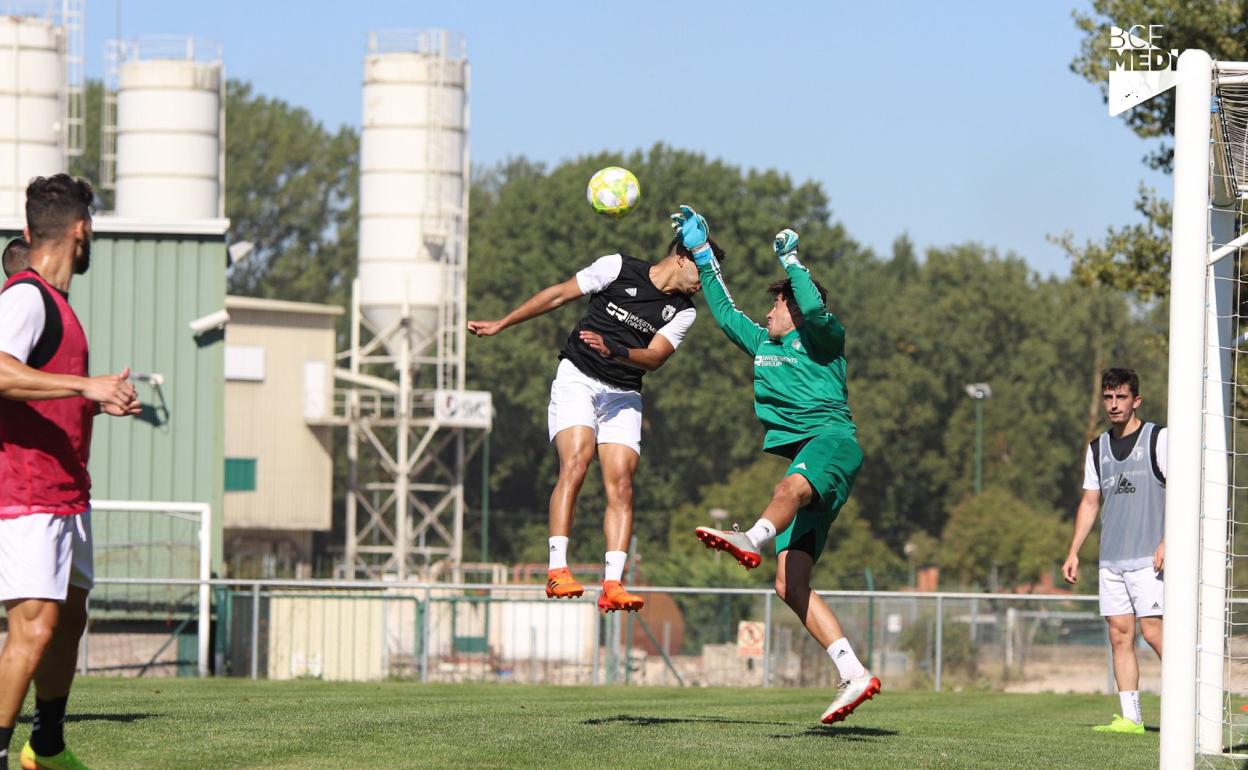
(1112, 379)
(785, 289)
(16, 256)
(677, 246)
(54, 203)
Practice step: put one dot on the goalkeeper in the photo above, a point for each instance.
(800, 397)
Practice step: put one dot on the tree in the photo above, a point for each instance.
(291, 188)
(994, 536)
(1137, 257)
(530, 228)
(967, 315)
(87, 165)
(917, 332)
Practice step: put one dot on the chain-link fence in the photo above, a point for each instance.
(358, 630)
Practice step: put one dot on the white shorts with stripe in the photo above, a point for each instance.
(1131, 592)
(42, 555)
(613, 413)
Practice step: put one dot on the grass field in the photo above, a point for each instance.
(308, 724)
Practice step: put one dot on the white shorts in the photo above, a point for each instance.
(578, 399)
(1133, 592)
(42, 555)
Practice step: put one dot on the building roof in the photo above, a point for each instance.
(110, 225)
(233, 302)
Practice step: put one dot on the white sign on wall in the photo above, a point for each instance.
(244, 362)
(315, 402)
(463, 408)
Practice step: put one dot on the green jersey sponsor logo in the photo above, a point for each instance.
(774, 360)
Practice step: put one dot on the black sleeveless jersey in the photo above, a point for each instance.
(629, 311)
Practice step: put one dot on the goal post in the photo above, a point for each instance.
(1189, 245)
(1209, 231)
(200, 516)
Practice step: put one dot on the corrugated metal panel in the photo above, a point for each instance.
(266, 420)
(135, 303)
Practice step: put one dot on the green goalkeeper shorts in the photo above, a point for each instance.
(830, 463)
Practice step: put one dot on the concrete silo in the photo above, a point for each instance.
(413, 178)
(164, 133)
(405, 502)
(40, 96)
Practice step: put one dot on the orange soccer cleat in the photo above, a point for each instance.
(561, 585)
(615, 597)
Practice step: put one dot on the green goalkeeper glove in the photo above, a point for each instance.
(785, 247)
(694, 233)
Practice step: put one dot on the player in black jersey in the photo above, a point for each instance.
(638, 314)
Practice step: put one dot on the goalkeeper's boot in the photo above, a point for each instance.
(615, 597)
(62, 761)
(850, 694)
(735, 543)
(1121, 724)
(561, 585)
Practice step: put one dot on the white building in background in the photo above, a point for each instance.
(279, 362)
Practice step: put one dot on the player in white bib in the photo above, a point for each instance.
(1124, 478)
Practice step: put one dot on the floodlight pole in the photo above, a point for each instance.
(979, 445)
(1189, 252)
(979, 392)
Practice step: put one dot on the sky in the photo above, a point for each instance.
(950, 122)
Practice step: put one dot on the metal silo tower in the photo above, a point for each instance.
(41, 88)
(411, 425)
(161, 140)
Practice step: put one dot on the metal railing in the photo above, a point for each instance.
(445, 632)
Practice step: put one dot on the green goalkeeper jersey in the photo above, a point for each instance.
(799, 381)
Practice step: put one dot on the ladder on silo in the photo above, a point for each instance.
(73, 22)
(437, 235)
(113, 52)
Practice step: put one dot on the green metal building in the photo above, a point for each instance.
(146, 284)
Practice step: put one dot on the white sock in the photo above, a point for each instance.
(847, 663)
(558, 551)
(615, 565)
(1130, 702)
(761, 532)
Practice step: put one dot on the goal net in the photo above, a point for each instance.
(1205, 661)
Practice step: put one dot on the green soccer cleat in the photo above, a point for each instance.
(62, 761)
(1121, 725)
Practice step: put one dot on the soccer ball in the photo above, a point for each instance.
(613, 191)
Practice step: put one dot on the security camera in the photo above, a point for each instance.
(210, 322)
(237, 252)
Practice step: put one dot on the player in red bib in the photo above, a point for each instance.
(47, 405)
